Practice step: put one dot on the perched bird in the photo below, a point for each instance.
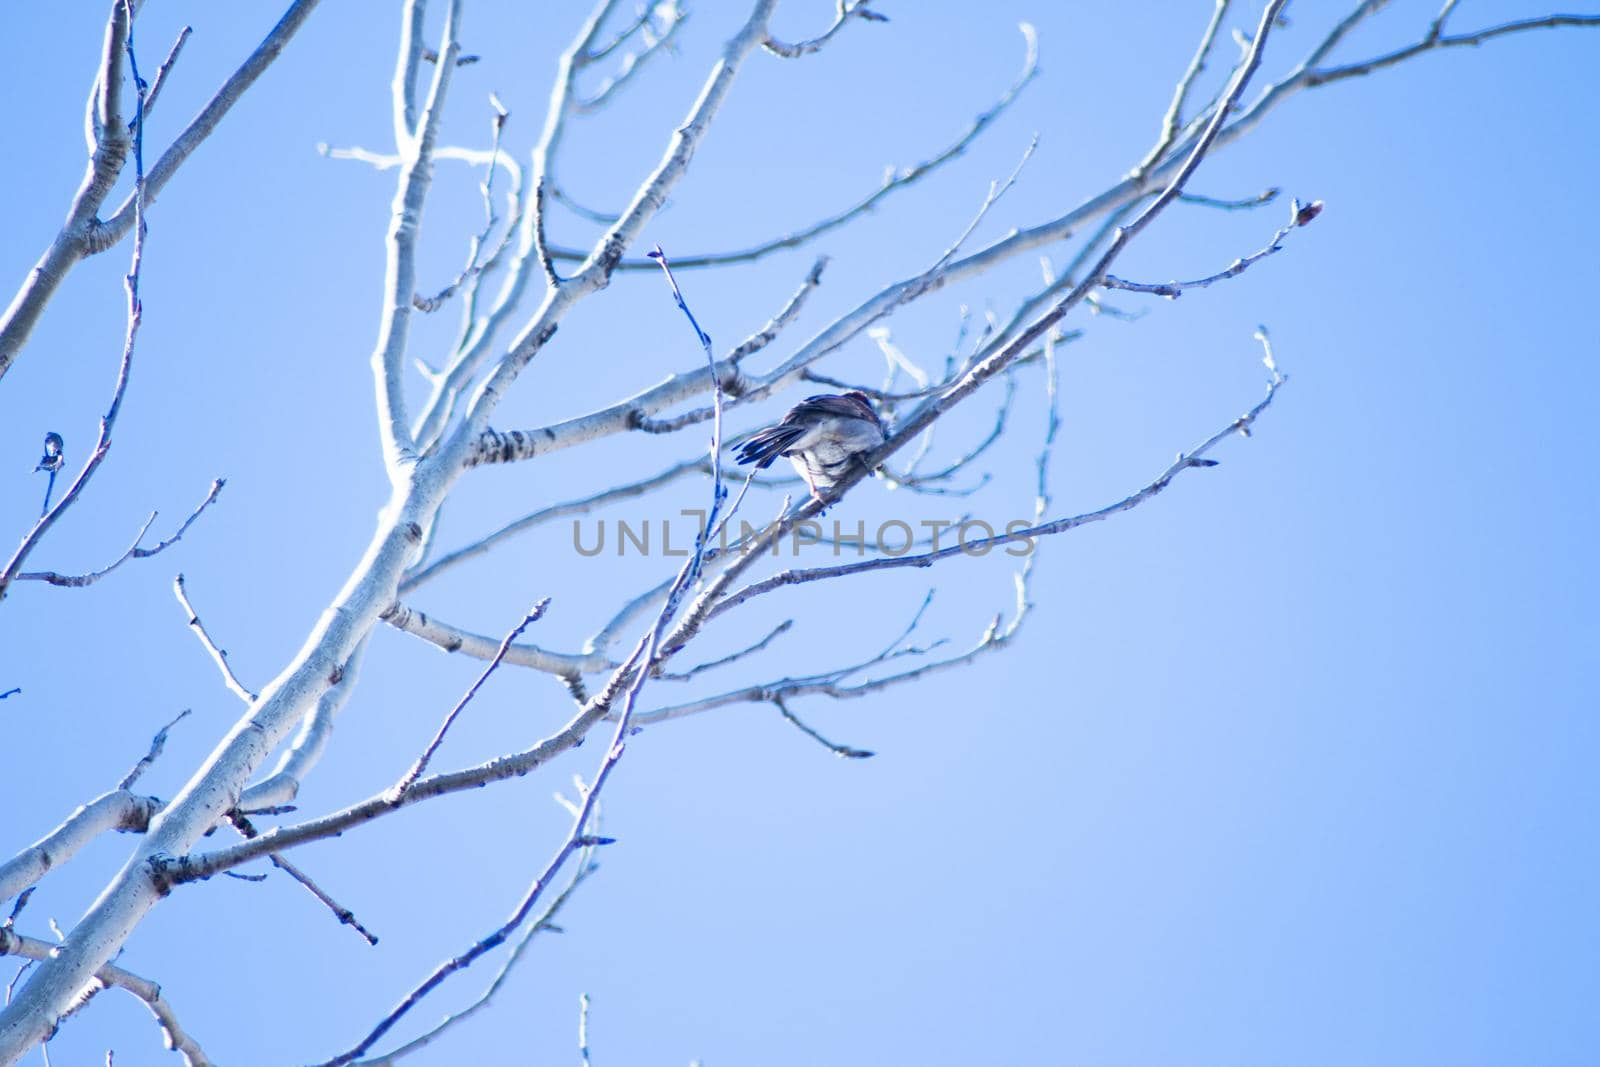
(824, 436)
(51, 461)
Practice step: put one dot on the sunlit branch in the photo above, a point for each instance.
(454, 639)
(118, 810)
(316, 730)
(176, 1038)
(83, 233)
(415, 136)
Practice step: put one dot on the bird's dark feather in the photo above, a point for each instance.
(767, 445)
(846, 406)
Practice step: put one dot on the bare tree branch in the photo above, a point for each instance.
(165, 69)
(894, 180)
(120, 33)
(678, 471)
(635, 672)
(1299, 215)
(415, 142)
(847, 10)
(134, 551)
(218, 655)
(632, 63)
(157, 744)
(733, 657)
(346, 917)
(117, 810)
(501, 446)
(176, 1038)
(316, 729)
(1434, 40)
(545, 922)
(978, 546)
(83, 234)
(473, 268)
(1266, 196)
(454, 639)
(993, 363)
(398, 790)
(842, 751)
(1171, 120)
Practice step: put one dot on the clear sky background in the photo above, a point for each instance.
(1293, 764)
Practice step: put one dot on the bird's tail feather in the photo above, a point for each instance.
(765, 446)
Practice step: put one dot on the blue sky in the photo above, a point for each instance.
(1291, 764)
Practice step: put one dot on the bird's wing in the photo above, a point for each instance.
(828, 405)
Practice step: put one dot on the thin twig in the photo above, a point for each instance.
(1299, 215)
(719, 492)
(631, 63)
(583, 1028)
(398, 790)
(545, 922)
(733, 657)
(166, 68)
(346, 917)
(842, 751)
(1328, 75)
(1264, 197)
(157, 744)
(218, 654)
(1171, 121)
(429, 304)
(16, 908)
(583, 506)
(895, 180)
(134, 551)
(847, 9)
